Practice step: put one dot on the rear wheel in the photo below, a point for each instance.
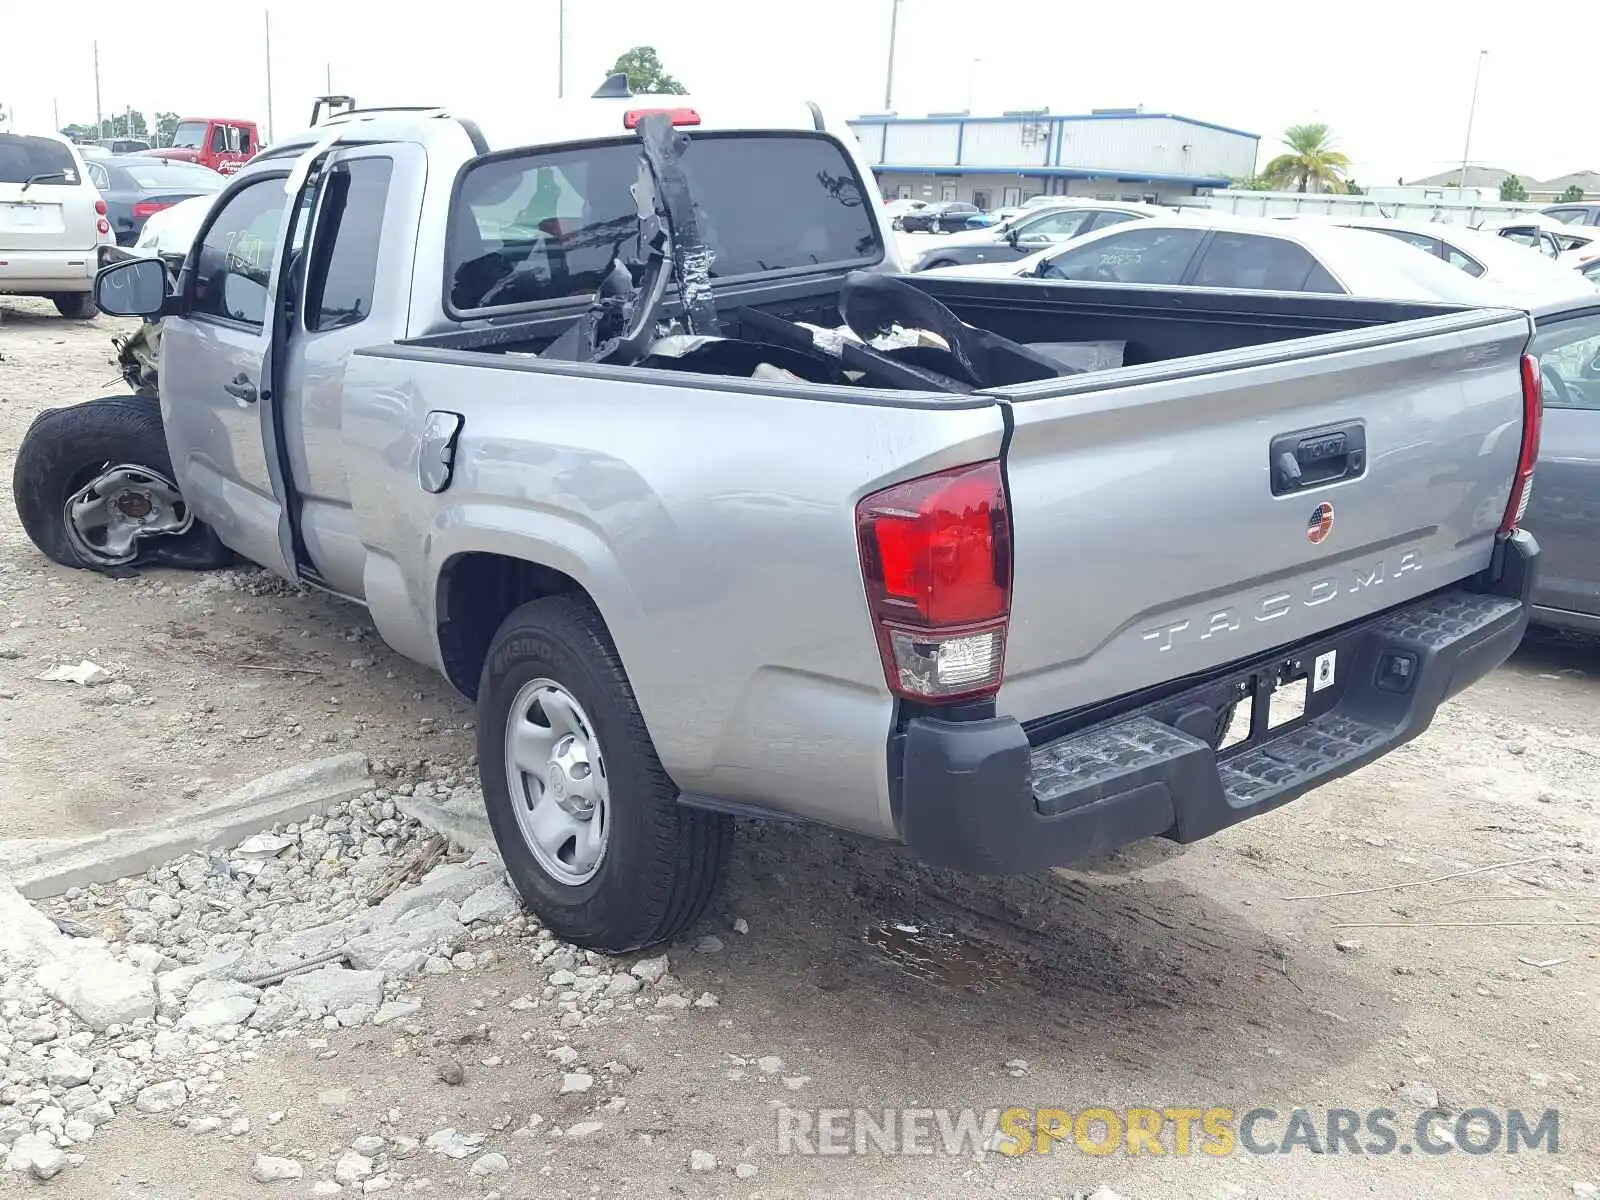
(79, 305)
(586, 819)
(93, 487)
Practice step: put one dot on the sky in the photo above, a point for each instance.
(1393, 80)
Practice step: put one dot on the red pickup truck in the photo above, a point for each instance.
(221, 143)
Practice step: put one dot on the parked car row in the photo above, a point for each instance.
(60, 207)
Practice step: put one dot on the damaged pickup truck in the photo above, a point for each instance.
(625, 422)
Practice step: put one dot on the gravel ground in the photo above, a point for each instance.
(830, 973)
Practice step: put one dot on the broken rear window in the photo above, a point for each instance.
(541, 225)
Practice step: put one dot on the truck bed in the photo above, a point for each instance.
(1154, 324)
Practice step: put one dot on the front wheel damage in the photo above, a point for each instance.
(93, 485)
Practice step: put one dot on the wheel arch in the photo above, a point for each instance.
(475, 592)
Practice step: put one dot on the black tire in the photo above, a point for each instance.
(63, 450)
(663, 860)
(78, 305)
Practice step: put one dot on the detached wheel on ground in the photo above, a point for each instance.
(74, 304)
(586, 819)
(93, 487)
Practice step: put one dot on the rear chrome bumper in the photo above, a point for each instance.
(993, 797)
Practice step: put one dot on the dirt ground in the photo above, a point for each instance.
(1164, 978)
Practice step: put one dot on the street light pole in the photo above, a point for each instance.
(99, 129)
(561, 48)
(888, 79)
(1472, 109)
(266, 22)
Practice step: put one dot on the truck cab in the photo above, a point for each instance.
(222, 143)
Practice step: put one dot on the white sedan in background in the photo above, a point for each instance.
(1518, 274)
(1200, 248)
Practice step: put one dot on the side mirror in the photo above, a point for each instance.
(135, 287)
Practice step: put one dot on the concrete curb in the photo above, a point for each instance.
(39, 867)
(466, 827)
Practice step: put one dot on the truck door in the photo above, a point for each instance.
(216, 374)
(352, 296)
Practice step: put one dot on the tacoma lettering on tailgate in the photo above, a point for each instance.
(1310, 593)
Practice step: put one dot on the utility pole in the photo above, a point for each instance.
(266, 20)
(55, 109)
(561, 48)
(99, 129)
(888, 79)
(1471, 110)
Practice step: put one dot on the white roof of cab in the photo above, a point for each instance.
(580, 119)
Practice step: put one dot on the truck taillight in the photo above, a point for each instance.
(1528, 456)
(936, 558)
(678, 116)
(100, 208)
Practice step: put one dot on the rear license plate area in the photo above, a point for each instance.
(1274, 698)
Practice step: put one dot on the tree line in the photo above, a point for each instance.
(130, 123)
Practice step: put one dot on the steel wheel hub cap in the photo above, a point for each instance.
(557, 778)
(108, 515)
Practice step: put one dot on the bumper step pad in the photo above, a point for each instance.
(1143, 754)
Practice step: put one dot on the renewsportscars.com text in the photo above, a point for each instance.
(1176, 1131)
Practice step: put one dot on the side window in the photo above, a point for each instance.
(98, 175)
(1569, 359)
(1247, 260)
(244, 140)
(1135, 256)
(1463, 262)
(234, 262)
(1105, 220)
(1056, 227)
(1320, 281)
(219, 139)
(344, 261)
(1569, 216)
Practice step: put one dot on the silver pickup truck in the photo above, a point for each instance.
(624, 421)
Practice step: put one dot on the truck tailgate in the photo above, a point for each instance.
(1158, 529)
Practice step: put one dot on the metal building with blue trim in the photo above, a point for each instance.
(1119, 154)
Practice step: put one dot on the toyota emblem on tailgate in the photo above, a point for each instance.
(1321, 523)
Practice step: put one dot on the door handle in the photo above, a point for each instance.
(241, 389)
(1313, 457)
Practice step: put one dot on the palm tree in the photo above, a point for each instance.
(1312, 160)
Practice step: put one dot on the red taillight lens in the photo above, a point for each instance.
(936, 557)
(147, 208)
(100, 207)
(678, 116)
(103, 226)
(1528, 457)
